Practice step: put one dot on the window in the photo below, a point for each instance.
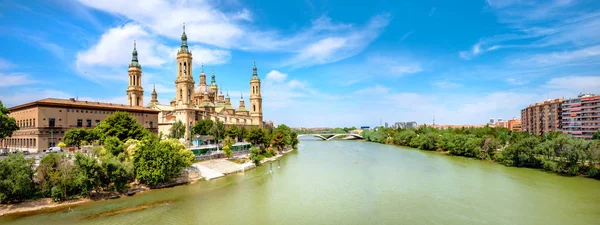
(77, 110)
(51, 122)
(88, 123)
(97, 122)
(79, 123)
(150, 124)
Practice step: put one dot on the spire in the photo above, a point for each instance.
(184, 46)
(154, 95)
(242, 96)
(134, 56)
(213, 82)
(202, 68)
(255, 72)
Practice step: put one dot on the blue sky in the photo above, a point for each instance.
(322, 63)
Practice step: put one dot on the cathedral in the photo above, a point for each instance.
(192, 103)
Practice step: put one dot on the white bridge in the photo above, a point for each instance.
(328, 137)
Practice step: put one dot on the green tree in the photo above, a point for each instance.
(75, 137)
(218, 131)
(522, 153)
(130, 148)
(294, 138)
(255, 156)
(55, 175)
(232, 132)
(278, 141)
(228, 141)
(116, 174)
(255, 136)
(177, 130)
(16, 178)
(113, 145)
(202, 127)
(120, 125)
(227, 151)
(87, 173)
(157, 161)
(8, 125)
(596, 136)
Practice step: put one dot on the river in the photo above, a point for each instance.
(354, 182)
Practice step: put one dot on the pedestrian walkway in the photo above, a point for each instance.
(208, 173)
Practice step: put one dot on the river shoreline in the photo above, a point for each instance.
(32, 206)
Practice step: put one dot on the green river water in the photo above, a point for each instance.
(353, 182)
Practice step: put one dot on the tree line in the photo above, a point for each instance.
(555, 152)
(128, 153)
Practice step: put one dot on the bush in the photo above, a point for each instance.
(113, 145)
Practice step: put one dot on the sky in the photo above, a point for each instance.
(322, 63)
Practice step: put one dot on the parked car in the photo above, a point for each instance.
(54, 149)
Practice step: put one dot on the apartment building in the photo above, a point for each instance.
(581, 116)
(542, 117)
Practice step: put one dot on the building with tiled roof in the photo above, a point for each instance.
(43, 123)
(204, 101)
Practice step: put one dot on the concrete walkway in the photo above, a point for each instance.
(207, 173)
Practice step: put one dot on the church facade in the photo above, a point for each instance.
(196, 102)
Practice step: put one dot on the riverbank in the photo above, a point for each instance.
(222, 165)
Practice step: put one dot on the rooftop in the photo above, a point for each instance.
(56, 102)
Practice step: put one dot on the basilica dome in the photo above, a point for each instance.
(202, 88)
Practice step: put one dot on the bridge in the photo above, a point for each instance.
(327, 137)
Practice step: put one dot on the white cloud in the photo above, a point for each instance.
(15, 79)
(539, 24)
(4, 64)
(323, 42)
(582, 55)
(517, 81)
(276, 76)
(394, 65)
(109, 57)
(575, 84)
(16, 97)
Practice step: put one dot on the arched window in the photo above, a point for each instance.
(180, 94)
(184, 68)
(137, 101)
(254, 108)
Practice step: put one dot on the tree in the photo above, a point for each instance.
(232, 132)
(294, 138)
(121, 125)
(61, 145)
(88, 173)
(278, 141)
(75, 137)
(227, 151)
(130, 148)
(8, 125)
(255, 136)
(113, 145)
(218, 130)
(177, 130)
(255, 156)
(116, 174)
(55, 175)
(16, 178)
(157, 160)
(596, 136)
(202, 127)
(228, 141)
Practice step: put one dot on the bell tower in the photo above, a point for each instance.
(184, 83)
(255, 98)
(135, 92)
